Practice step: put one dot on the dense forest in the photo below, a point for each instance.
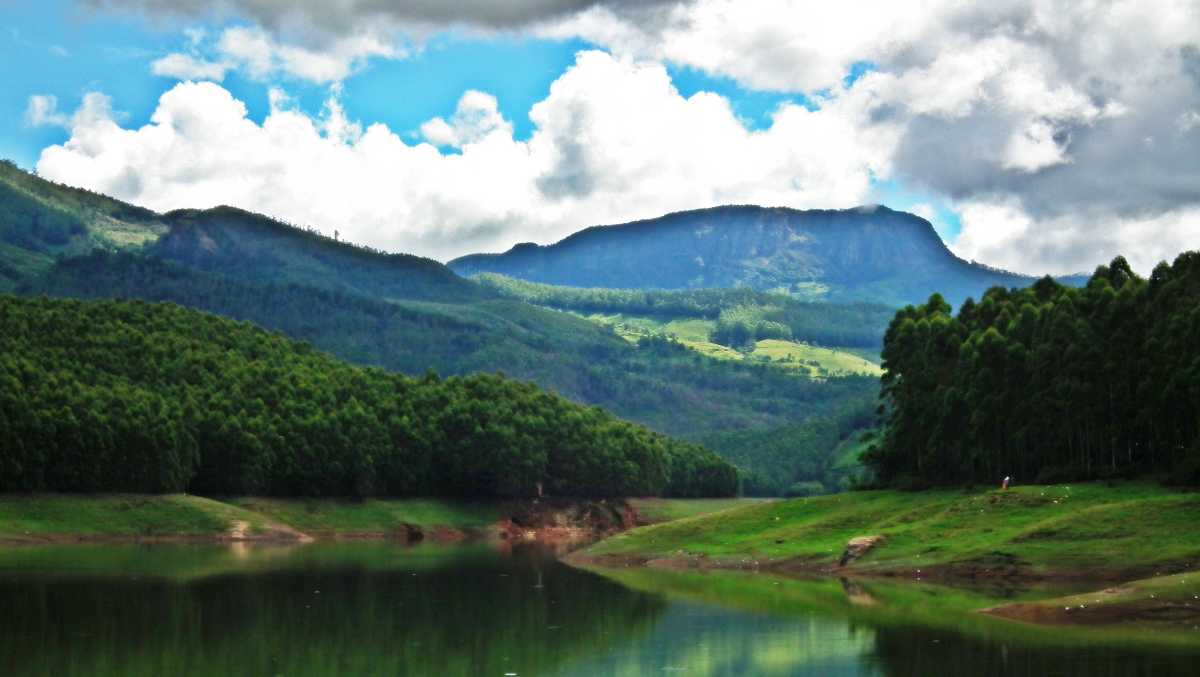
(1048, 383)
(818, 456)
(658, 383)
(743, 314)
(135, 396)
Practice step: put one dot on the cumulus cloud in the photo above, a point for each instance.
(42, 111)
(1003, 234)
(262, 57)
(188, 67)
(613, 141)
(476, 117)
(1070, 118)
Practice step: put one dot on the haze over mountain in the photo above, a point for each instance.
(864, 254)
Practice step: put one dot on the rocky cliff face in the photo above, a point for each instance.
(867, 253)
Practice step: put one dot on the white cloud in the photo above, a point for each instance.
(42, 111)
(476, 117)
(187, 67)
(262, 56)
(1043, 121)
(613, 141)
(1003, 234)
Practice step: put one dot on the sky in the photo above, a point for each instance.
(1036, 136)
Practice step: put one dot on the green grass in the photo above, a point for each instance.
(656, 510)
(1086, 529)
(816, 361)
(42, 515)
(819, 361)
(317, 516)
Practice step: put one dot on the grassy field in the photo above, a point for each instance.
(44, 515)
(657, 510)
(1086, 530)
(817, 361)
(324, 516)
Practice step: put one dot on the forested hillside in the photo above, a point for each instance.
(1048, 383)
(255, 247)
(865, 254)
(818, 456)
(410, 314)
(130, 396)
(656, 382)
(40, 220)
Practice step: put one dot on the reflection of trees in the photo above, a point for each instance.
(483, 617)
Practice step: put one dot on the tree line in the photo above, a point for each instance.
(152, 397)
(1047, 383)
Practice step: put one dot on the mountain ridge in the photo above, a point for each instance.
(868, 253)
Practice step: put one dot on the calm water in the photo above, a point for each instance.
(378, 608)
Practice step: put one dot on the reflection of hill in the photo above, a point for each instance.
(912, 622)
(305, 615)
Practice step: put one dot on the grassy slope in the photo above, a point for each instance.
(694, 334)
(42, 515)
(658, 510)
(323, 516)
(1082, 530)
(800, 355)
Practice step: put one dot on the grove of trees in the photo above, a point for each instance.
(1048, 383)
(152, 397)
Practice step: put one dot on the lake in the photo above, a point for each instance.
(382, 608)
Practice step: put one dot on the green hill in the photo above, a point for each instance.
(129, 396)
(251, 246)
(865, 254)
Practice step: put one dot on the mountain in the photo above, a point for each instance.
(402, 313)
(864, 254)
(41, 221)
(252, 246)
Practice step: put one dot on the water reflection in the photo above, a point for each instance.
(380, 608)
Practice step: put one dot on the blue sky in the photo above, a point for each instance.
(56, 48)
(1021, 152)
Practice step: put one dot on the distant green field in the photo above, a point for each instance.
(1079, 529)
(818, 362)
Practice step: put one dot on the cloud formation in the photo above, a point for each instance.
(613, 141)
(1060, 132)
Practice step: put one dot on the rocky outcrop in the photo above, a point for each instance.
(857, 547)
